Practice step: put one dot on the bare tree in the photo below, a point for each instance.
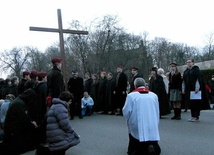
(37, 60)
(208, 50)
(77, 48)
(14, 61)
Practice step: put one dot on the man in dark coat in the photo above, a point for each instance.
(157, 86)
(14, 86)
(88, 83)
(135, 75)
(32, 81)
(26, 76)
(6, 88)
(193, 81)
(109, 94)
(120, 89)
(20, 134)
(75, 86)
(41, 107)
(95, 92)
(102, 93)
(55, 81)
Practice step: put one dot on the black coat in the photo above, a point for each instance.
(14, 90)
(102, 93)
(75, 86)
(120, 90)
(55, 83)
(87, 86)
(190, 76)
(175, 81)
(121, 83)
(21, 85)
(94, 94)
(157, 86)
(110, 84)
(5, 90)
(132, 87)
(41, 92)
(18, 129)
(29, 84)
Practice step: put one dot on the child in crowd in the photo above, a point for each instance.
(86, 104)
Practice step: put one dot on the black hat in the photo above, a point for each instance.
(173, 63)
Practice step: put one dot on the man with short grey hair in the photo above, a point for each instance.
(141, 111)
(138, 82)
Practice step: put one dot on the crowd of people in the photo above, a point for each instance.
(40, 100)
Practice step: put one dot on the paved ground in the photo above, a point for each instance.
(107, 135)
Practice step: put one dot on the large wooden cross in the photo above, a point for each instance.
(60, 30)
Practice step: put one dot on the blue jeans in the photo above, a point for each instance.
(86, 110)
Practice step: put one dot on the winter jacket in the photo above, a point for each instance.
(60, 134)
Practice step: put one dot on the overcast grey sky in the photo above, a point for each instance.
(185, 21)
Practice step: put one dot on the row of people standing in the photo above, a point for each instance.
(110, 91)
(179, 88)
(107, 91)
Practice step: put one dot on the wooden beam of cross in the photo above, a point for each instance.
(60, 30)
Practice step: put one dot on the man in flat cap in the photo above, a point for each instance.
(55, 81)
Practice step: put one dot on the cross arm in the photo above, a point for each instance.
(57, 30)
(75, 31)
(43, 29)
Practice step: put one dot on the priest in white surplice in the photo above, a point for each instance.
(141, 111)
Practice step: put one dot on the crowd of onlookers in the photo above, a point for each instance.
(105, 93)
